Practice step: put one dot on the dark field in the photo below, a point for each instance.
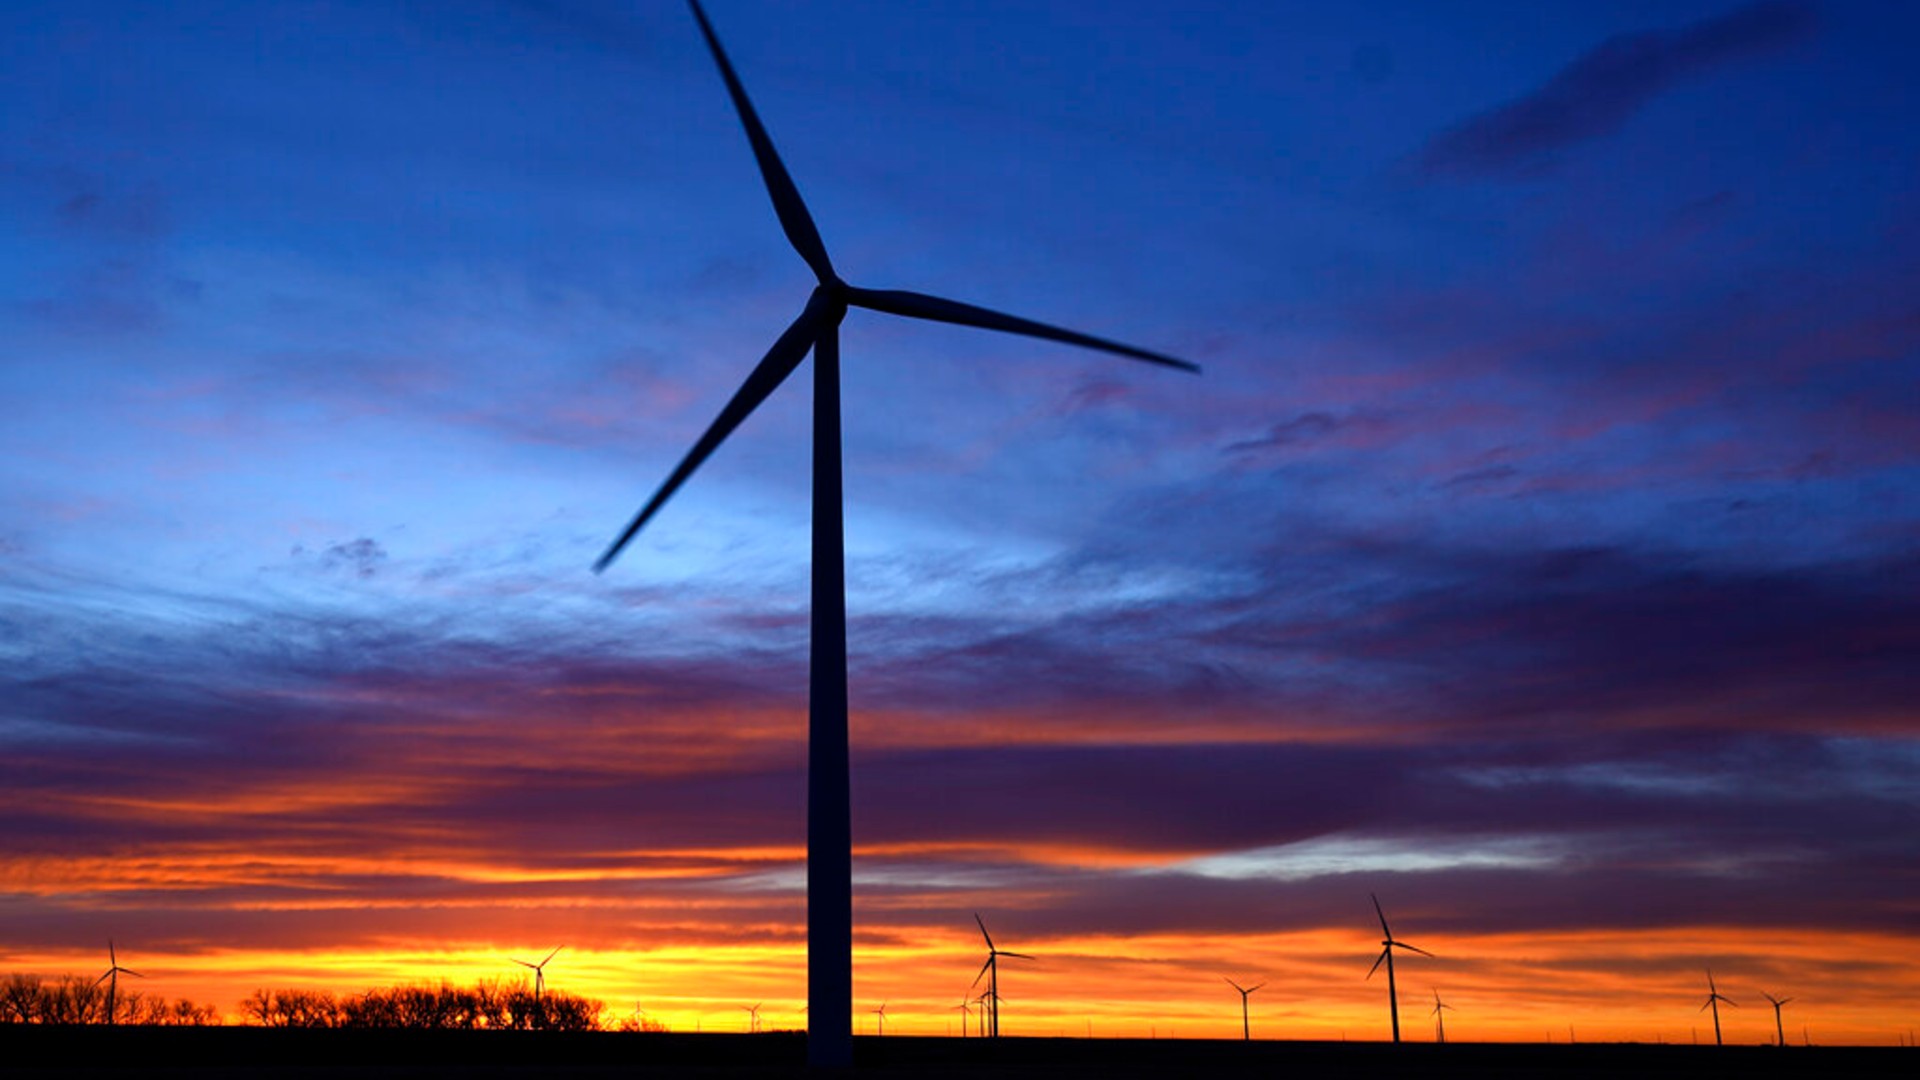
(37, 1051)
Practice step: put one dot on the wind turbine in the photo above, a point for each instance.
(1714, 998)
(881, 1017)
(112, 978)
(1778, 1028)
(753, 1017)
(1440, 1009)
(817, 329)
(1387, 945)
(966, 1014)
(1246, 1031)
(540, 972)
(991, 969)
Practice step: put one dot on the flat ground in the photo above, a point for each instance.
(233, 1052)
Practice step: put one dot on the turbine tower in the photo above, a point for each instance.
(817, 330)
(1440, 1009)
(1246, 1030)
(1714, 998)
(1779, 1029)
(1387, 945)
(540, 972)
(112, 978)
(991, 969)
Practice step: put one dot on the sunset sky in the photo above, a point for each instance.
(1540, 549)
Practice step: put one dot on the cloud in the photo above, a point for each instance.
(361, 557)
(1598, 93)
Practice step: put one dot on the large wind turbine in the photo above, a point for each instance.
(1779, 1029)
(1440, 1010)
(991, 969)
(112, 978)
(817, 330)
(540, 971)
(1387, 945)
(1246, 1029)
(1714, 998)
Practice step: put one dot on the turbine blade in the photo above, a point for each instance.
(102, 978)
(1414, 948)
(1233, 984)
(130, 971)
(1381, 959)
(787, 204)
(1384, 932)
(524, 964)
(1017, 955)
(1707, 1006)
(786, 354)
(921, 306)
(1255, 986)
(551, 955)
(983, 973)
(983, 931)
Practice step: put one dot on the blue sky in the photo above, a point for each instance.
(1553, 471)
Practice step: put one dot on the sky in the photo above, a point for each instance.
(1539, 549)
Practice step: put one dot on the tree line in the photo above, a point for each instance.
(76, 999)
(490, 1004)
(487, 1005)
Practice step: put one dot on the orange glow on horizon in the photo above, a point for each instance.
(1608, 986)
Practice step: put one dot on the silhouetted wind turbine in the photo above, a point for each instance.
(991, 969)
(1779, 1029)
(817, 329)
(112, 978)
(753, 1016)
(1440, 1018)
(1246, 1030)
(1714, 998)
(881, 1018)
(966, 1014)
(1387, 945)
(540, 972)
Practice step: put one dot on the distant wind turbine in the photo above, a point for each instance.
(880, 1015)
(112, 978)
(817, 330)
(1779, 1029)
(1440, 1009)
(966, 1013)
(1387, 945)
(1714, 998)
(753, 1017)
(991, 969)
(1246, 1031)
(540, 971)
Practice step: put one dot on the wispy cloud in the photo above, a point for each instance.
(1598, 93)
